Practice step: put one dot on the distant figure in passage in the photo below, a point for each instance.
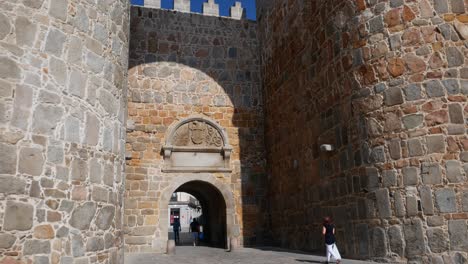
(176, 227)
(328, 231)
(194, 228)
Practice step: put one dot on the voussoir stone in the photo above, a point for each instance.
(83, 215)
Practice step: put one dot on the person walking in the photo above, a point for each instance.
(328, 231)
(194, 228)
(176, 228)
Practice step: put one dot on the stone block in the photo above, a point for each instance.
(18, 216)
(99, 194)
(132, 240)
(411, 206)
(58, 70)
(75, 49)
(393, 96)
(92, 130)
(82, 216)
(45, 119)
(456, 114)
(9, 68)
(62, 232)
(55, 154)
(458, 235)
(25, 31)
(79, 170)
(22, 107)
(456, 129)
(5, 26)
(395, 149)
(7, 241)
(41, 260)
(465, 201)
(12, 185)
(54, 42)
(431, 173)
(376, 25)
(143, 231)
(95, 171)
(414, 238)
(379, 242)
(58, 9)
(34, 247)
(451, 86)
(412, 121)
(436, 220)
(434, 88)
(77, 246)
(425, 193)
(441, 6)
(383, 203)
(458, 6)
(446, 200)
(438, 240)
(77, 83)
(453, 171)
(435, 144)
(105, 217)
(362, 234)
(370, 180)
(378, 154)
(95, 244)
(389, 178)
(31, 161)
(413, 92)
(396, 241)
(44, 232)
(72, 129)
(454, 57)
(415, 148)
(399, 204)
(7, 159)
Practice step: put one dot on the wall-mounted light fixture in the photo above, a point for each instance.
(326, 147)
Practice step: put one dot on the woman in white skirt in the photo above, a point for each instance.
(328, 231)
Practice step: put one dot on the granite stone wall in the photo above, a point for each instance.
(188, 65)
(385, 83)
(63, 81)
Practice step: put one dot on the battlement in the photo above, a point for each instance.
(209, 8)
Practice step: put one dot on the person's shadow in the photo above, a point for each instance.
(310, 261)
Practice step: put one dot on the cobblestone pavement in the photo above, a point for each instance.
(204, 255)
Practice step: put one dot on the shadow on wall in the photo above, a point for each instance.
(183, 65)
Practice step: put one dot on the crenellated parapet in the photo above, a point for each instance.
(209, 8)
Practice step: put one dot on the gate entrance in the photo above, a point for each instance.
(206, 205)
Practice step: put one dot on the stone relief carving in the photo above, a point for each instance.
(196, 144)
(197, 133)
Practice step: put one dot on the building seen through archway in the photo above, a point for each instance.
(200, 201)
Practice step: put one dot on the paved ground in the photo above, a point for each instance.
(206, 255)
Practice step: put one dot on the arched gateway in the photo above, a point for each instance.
(196, 147)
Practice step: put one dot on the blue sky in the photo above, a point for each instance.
(224, 6)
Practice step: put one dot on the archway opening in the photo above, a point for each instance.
(203, 202)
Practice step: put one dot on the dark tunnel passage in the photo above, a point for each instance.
(213, 218)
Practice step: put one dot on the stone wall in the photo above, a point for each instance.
(62, 108)
(385, 83)
(184, 65)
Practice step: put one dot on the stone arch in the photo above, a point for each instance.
(232, 229)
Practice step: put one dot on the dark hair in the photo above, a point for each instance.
(327, 220)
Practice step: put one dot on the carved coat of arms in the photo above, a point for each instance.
(197, 132)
